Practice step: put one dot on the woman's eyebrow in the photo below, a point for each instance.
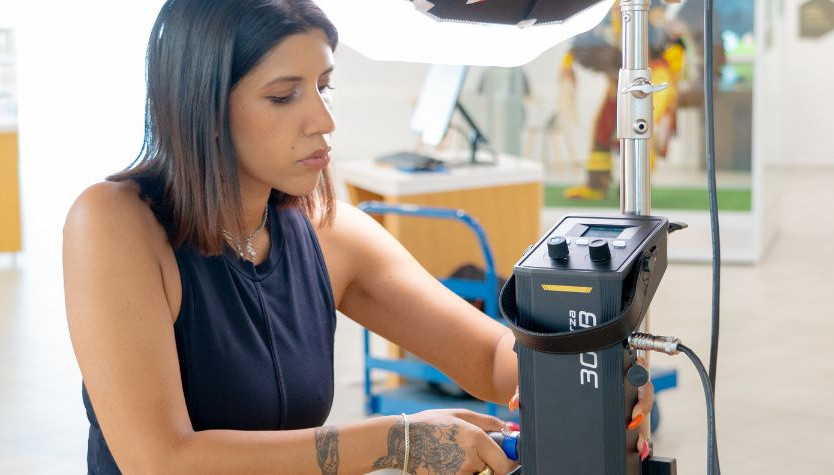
(283, 79)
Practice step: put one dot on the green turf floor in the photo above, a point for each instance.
(730, 199)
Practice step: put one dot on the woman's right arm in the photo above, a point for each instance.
(121, 325)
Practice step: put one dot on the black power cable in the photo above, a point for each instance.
(713, 194)
(713, 467)
(713, 204)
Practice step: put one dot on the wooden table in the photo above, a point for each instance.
(10, 238)
(505, 198)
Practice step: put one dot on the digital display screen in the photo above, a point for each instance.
(609, 232)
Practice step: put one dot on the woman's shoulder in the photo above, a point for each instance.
(118, 203)
(352, 236)
(345, 222)
(114, 211)
(113, 241)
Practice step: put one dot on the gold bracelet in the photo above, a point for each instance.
(487, 471)
(405, 455)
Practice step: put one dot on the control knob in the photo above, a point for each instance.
(598, 248)
(557, 247)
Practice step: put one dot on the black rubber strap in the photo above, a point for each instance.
(590, 339)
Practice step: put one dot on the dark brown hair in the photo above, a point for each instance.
(197, 53)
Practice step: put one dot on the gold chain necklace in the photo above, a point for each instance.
(249, 248)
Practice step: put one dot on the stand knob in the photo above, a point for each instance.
(557, 247)
(598, 248)
(642, 88)
(637, 375)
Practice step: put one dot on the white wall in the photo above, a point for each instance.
(9, 12)
(373, 102)
(806, 75)
(769, 134)
(81, 104)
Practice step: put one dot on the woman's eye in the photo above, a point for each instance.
(282, 99)
(326, 87)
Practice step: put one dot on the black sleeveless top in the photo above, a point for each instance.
(255, 342)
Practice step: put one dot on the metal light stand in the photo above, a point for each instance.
(634, 109)
(634, 118)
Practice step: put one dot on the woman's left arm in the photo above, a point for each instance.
(380, 285)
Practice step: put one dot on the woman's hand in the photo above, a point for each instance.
(455, 441)
(640, 415)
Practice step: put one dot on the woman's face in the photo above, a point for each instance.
(279, 116)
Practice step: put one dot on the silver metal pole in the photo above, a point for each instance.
(634, 109)
(635, 177)
(634, 119)
(635, 33)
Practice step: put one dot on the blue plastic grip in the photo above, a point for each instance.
(508, 441)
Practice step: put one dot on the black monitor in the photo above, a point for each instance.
(438, 100)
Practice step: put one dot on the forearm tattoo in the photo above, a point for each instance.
(433, 447)
(327, 449)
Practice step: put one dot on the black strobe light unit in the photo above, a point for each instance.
(573, 300)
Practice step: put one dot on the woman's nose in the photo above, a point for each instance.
(320, 119)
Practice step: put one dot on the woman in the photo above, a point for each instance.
(202, 282)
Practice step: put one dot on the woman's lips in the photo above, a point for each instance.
(317, 160)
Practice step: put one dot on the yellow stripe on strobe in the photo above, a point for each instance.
(567, 288)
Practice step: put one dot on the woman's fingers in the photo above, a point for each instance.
(645, 400)
(636, 421)
(488, 452)
(643, 447)
(514, 401)
(645, 396)
(640, 416)
(484, 422)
